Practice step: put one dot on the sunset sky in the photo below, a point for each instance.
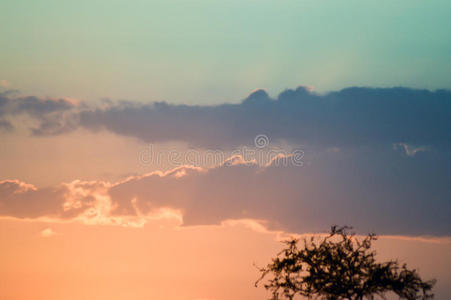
(162, 149)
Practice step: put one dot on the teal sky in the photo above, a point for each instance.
(207, 51)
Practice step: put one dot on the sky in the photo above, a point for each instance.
(163, 149)
(208, 52)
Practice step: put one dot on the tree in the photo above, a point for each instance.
(340, 266)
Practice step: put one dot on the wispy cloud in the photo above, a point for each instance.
(47, 233)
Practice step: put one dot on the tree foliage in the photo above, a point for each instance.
(340, 266)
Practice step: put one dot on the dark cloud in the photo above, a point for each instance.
(350, 117)
(38, 107)
(390, 193)
(353, 116)
(53, 116)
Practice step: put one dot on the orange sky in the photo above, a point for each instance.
(162, 261)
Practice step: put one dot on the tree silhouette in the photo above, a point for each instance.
(340, 266)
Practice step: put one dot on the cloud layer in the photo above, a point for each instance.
(378, 159)
(352, 116)
(392, 194)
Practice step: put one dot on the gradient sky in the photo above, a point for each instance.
(158, 149)
(206, 51)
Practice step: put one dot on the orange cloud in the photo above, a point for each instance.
(48, 232)
(275, 196)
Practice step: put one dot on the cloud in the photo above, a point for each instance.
(48, 232)
(350, 117)
(389, 194)
(53, 116)
(6, 125)
(409, 149)
(84, 201)
(22, 200)
(378, 159)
